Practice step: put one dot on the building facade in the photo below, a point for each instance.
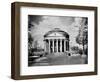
(56, 41)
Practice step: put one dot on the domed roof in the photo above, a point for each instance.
(57, 30)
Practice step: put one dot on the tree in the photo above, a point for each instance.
(30, 40)
(75, 49)
(82, 38)
(32, 20)
(79, 39)
(36, 44)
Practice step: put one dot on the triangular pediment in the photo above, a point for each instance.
(56, 34)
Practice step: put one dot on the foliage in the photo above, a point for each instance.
(80, 51)
(33, 20)
(75, 49)
(82, 37)
(30, 40)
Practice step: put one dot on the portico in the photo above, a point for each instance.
(55, 41)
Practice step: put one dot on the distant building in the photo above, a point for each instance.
(56, 41)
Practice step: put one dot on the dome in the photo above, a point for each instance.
(58, 31)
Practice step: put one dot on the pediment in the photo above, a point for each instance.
(56, 34)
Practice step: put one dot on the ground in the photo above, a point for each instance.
(59, 59)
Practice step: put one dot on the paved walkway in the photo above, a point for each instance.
(59, 59)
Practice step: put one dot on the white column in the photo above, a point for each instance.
(64, 45)
(57, 45)
(60, 45)
(53, 45)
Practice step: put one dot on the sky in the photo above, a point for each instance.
(43, 24)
